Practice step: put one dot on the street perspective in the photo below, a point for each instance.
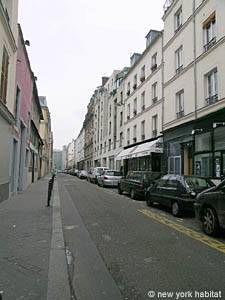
(112, 150)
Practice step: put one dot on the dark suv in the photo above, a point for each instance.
(210, 209)
(177, 192)
(136, 182)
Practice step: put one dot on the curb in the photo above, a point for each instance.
(58, 280)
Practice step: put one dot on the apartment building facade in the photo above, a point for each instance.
(194, 89)
(8, 46)
(143, 108)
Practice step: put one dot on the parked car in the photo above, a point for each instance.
(177, 192)
(82, 174)
(109, 178)
(210, 209)
(89, 174)
(136, 183)
(95, 173)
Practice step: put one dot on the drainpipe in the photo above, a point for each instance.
(195, 66)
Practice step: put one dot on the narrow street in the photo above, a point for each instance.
(120, 246)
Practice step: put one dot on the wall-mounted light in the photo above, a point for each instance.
(218, 124)
(196, 131)
(27, 43)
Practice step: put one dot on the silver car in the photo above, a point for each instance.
(109, 178)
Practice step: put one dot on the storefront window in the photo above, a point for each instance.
(219, 138)
(203, 164)
(203, 142)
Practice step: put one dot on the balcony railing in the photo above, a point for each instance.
(128, 142)
(142, 78)
(210, 44)
(135, 140)
(128, 92)
(135, 112)
(154, 100)
(212, 99)
(135, 86)
(179, 69)
(143, 137)
(154, 67)
(154, 133)
(143, 107)
(180, 114)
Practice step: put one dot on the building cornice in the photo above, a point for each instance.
(7, 28)
(6, 114)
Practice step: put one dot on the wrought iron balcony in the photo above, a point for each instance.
(210, 44)
(212, 99)
(180, 114)
(154, 67)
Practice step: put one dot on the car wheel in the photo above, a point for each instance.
(103, 185)
(148, 199)
(175, 209)
(132, 194)
(119, 190)
(210, 223)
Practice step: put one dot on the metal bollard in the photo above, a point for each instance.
(50, 187)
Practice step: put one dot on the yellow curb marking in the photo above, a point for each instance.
(220, 246)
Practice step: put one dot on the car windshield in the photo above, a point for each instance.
(198, 183)
(112, 173)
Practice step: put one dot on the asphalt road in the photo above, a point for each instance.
(121, 249)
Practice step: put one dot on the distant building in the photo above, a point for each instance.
(57, 159)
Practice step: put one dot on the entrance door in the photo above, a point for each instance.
(187, 159)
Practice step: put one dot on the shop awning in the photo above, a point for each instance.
(144, 149)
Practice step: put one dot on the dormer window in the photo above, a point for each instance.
(178, 20)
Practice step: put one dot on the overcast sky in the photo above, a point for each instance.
(76, 42)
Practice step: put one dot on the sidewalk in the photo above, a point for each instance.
(25, 244)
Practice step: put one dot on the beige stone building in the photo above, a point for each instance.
(46, 135)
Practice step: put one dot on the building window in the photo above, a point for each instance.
(105, 147)
(142, 78)
(135, 107)
(121, 118)
(209, 31)
(179, 59)
(128, 136)
(211, 87)
(143, 130)
(178, 20)
(110, 127)
(135, 82)
(121, 139)
(101, 135)
(154, 92)
(180, 104)
(135, 134)
(4, 75)
(154, 125)
(128, 112)
(110, 111)
(100, 148)
(143, 101)
(121, 97)
(154, 62)
(128, 89)
(109, 144)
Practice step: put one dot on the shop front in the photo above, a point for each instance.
(197, 147)
(142, 157)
